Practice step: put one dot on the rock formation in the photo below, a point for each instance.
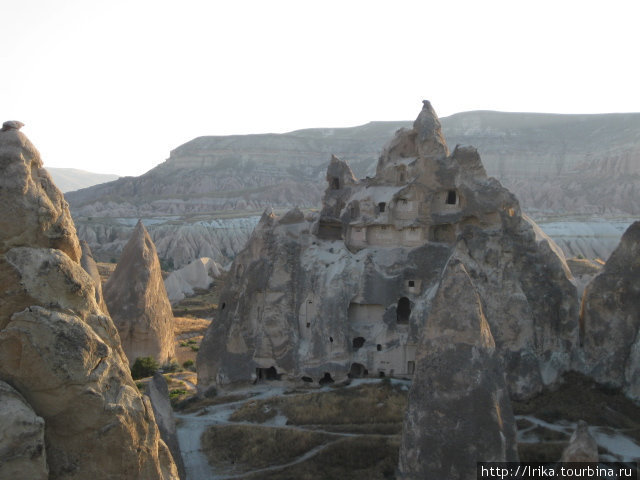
(610, 319)
(459, 410)
(22, 452)
(89, 265)
(158, 393)
(138, 302)
(198, 274)
(58, 349)
(346, 292)
(582, 446)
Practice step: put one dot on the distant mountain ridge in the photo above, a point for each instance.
(557, 165)
(553, 163)
(69, 179)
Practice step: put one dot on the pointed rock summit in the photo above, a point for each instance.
(137, 300)
(610, 318)
(58, 350)
(91, 267)
(459, 410)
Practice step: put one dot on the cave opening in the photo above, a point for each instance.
(358, 342)
(326, 379)
(403, 310)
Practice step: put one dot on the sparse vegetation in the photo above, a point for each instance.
(378, 403)
(247, 447)
(144, 367)
(189, 364)
(354, 458)
(171, 367)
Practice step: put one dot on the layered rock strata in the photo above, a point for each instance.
(459, 410)
(58, 349)
(347, 292)
(610, 319)
(137, 300)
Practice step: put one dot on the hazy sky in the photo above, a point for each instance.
(112, 86)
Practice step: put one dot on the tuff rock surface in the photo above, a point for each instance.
(158, 393)
(199, 274)
(459, 410)
(58, 349)
(22, 452)
(347, 291)
(138, 303)
(610, 319)
(582, 446)
(91, 267)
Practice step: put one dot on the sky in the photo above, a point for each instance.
(113, 86)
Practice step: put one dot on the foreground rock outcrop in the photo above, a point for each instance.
(138, 303)
(58, 349)
(459, 409)
(347, 292)
(610, 319)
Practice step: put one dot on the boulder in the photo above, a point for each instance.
(22, 450)
(610, 319)
(58, 349)
(138, 302)
(459, 411)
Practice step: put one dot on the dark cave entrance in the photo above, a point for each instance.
(326, 380)
(403, 310)
(358, 342)
(357, 370)
(452, 197)
(267, 373)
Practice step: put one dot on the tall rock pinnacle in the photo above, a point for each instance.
(138, 302)
(62, 368)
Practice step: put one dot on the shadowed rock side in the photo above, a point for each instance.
(158, 393)
(137, 300)
(459, 411)
(57, 347)
(22, 452)
(89, 265)
(346, 292)
(610, 319)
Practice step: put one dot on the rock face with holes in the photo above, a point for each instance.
(58, 350)
(138, 302)
(610, 319)
(459, 411)
(347, 291)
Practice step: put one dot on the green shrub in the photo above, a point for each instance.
(188, 364)
(144, 367)
(195, 348)
(171, 367)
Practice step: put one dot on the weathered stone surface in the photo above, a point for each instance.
(198, 274)
(158, 393)
(347, 291)
(610, 319)
(582, 446)
(459, 410)
(57, 347)
(138, 303)
(22, 451)
(89, 265)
